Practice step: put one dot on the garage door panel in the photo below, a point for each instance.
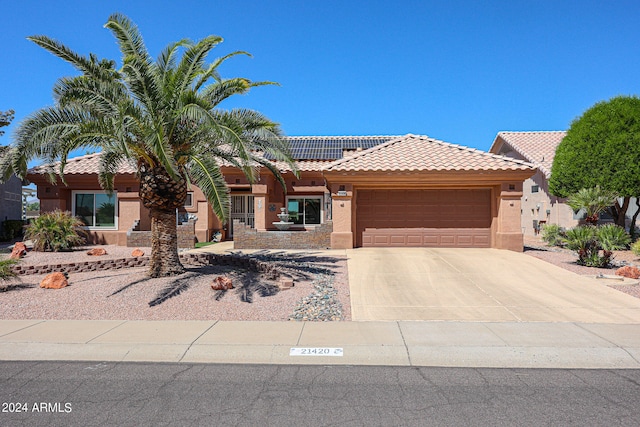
(450, 218)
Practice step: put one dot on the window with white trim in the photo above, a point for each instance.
(95, 209)
(305, 210)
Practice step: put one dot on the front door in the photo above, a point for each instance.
(242, 210)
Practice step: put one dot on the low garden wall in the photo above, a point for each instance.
(239, 261)
(186, 236)
(245, 237)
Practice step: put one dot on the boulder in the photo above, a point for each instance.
(97, 252)
(19, 250)
(137, 252)
(629, 271)
(221, 283)
(54, 281)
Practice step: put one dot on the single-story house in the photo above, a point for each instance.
(352, 191)
(11, 196)
(540, 207)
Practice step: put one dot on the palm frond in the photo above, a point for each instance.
(217, 92)
(192, 63)
(205, 173)
(89, 66)
(109, 163)
(212, 70)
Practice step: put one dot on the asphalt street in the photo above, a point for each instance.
(163, 394)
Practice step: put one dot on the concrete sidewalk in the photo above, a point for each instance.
(453, 344)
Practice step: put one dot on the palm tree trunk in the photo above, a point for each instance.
(164, 244)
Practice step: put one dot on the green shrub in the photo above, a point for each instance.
(582, 239)
(6, 272)
(635, 248)
(55, 231)
(613, 237)
(553, 234)
(12, 228)
(589, 240)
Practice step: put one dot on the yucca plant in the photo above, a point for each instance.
(55, 231)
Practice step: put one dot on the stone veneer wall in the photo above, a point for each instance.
(240, 261)
(245, 237)
(186, 236)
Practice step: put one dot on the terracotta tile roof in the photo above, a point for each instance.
(312, 153)
(87, 164)
(330, 147)
(538, 148)
(421, 153)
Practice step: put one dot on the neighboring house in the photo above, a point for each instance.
(352, 191)
(10, 200)
(539, 207)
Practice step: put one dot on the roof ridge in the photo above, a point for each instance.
(531, 131)
(482, 152)
(357, 155)
(340, 136)
(448, 145)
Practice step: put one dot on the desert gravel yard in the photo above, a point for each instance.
(566, 259)
(321, 291)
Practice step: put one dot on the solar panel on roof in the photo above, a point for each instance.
(328, 148)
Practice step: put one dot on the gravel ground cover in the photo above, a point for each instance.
(320, 293)
(566, 259)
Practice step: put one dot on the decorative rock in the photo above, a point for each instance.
(97, 252)
(221, 283)
(19, 250)
(285, 283)
(628, 271)
(137, 252)
(54, 281)
(322, 305)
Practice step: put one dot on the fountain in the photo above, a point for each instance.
(284, 222)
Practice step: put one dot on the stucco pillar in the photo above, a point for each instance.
(260, 200)
(342, 209)
(509, 228)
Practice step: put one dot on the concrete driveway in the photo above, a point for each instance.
(477, 285)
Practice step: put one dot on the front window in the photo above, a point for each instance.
(95, 210)
(305, 210)
(188, 203)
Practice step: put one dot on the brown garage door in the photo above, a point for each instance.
(431, 218)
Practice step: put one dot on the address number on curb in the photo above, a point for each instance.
(315, 351)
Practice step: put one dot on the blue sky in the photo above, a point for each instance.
(459, 71)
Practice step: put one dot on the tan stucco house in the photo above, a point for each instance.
(539, 207)
(352, 191)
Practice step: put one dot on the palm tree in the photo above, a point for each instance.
(162, 115)
(593, 200)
